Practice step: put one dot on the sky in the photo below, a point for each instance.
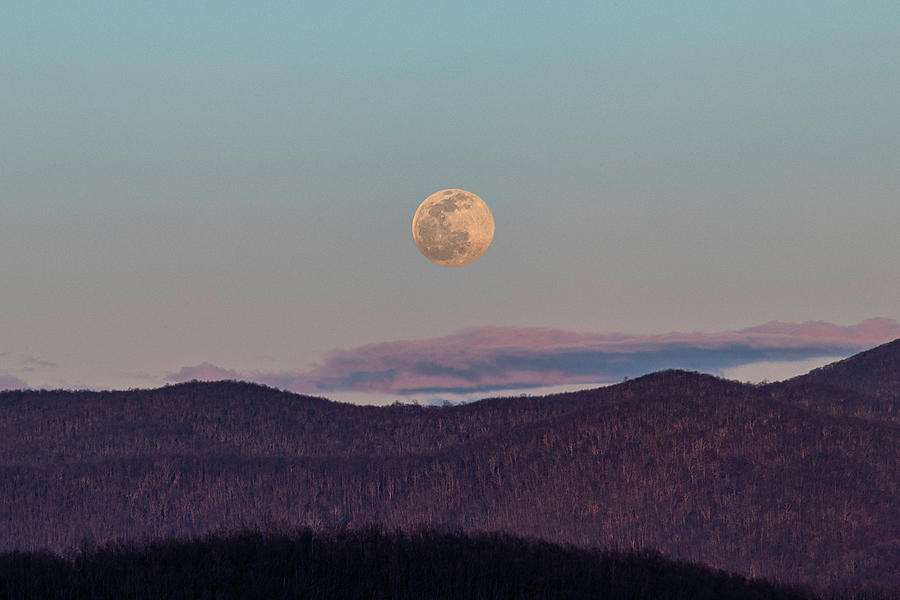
(226, 190)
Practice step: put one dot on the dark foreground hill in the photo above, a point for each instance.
(369, 564)
(797, 484)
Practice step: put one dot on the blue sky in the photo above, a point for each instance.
(233, 183)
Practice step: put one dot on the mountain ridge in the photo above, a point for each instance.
(757, 479)
(865, 385)
(875, 372)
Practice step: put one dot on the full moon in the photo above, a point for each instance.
(453, 228)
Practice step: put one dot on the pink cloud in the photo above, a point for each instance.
(498, 358)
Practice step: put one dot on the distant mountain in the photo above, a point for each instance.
(758, 480)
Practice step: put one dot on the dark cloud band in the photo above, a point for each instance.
(503, 358)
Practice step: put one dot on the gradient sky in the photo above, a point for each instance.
(232, 183)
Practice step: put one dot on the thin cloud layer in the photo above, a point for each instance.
(504, 358)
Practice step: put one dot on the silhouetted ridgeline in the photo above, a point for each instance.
(369, 564)
(796, 481)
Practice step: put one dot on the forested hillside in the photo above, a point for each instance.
(759, 480)
(866, 385)
(875, 372)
